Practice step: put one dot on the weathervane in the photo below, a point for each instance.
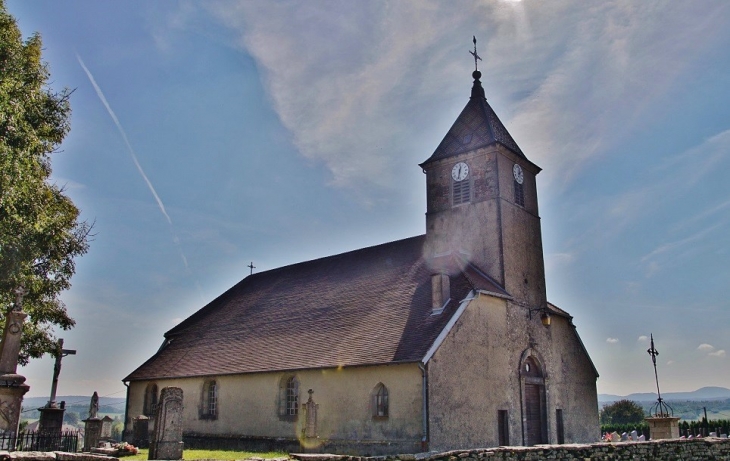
(474, 53)
(660, 408)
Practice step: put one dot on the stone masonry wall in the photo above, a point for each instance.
(51, 456)
(660, 450)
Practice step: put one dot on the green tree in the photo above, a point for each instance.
(622, 412)
(40, 231)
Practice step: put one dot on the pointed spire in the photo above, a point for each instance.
(477, 126)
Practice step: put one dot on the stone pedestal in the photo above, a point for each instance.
(663, 427)
(92, 433)
(141, 431)
(12, 391)
(51, 420)
(12, 385)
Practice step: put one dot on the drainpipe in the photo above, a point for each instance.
(126, 412)
(424, 398)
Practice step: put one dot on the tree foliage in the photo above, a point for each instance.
(622, 412)
(40, 231)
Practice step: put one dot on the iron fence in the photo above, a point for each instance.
(67, 441)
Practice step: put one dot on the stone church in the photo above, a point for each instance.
(435, 342)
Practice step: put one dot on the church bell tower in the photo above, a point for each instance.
(482, 201)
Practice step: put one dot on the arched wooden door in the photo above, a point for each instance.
(534, 409)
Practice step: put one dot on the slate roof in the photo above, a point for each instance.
(364, 307)
(477, 126)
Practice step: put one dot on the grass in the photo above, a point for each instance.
(212, 454)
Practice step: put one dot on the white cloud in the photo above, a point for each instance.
(670, 362)
(718, 353)
(671, 246)
(352, 79)
(643, 338)
(705, 347)
(611, 340)
(556, 261)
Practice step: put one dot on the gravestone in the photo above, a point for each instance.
(310, 408)
(106, 428)
(141, 431)
(166, 440)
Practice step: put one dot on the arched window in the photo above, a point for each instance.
(380, 401)
(209, 402)
(289, 396)
(150, 400)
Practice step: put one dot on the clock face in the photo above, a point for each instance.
(460, 171)
(518, 174)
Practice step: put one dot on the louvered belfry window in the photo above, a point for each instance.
(462, 192)
(519, 194)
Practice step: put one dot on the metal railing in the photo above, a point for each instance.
(67, 441)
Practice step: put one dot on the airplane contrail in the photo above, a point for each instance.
(175, 238)
(100, 94)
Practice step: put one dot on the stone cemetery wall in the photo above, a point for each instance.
(660, 450)
(51, 456)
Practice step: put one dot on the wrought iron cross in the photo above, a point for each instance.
(474, 53)
(252, 267)
(660, 408)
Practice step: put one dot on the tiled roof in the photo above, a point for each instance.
(369, 306)
(477, 126)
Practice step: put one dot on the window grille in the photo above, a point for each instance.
(212, 406)
(519, 194)
(462, 192)
(292, 397)
(380, 407)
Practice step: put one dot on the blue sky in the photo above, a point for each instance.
(278, 132)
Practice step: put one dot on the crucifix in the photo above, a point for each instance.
(474, 53)
(61, 353)
(252, 267)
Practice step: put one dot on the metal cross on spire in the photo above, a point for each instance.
(474, 53)
(252, 267)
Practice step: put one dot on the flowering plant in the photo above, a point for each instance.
(126, 447)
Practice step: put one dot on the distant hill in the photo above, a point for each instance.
(78, 404)
(705, 393)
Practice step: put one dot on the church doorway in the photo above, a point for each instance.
(534, 412)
